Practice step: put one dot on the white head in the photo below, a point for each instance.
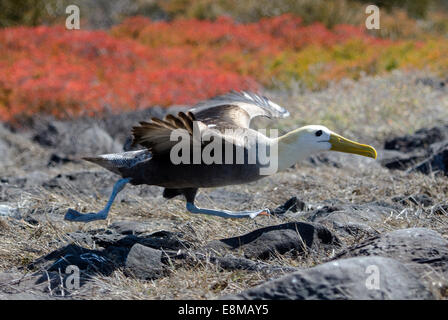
(303, 142)
(314, 138)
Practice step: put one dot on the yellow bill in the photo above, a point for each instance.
(342, 144)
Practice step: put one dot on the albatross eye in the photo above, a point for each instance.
(318, 133)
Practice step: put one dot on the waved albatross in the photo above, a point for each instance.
(236, 160)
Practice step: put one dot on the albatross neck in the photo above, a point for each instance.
(289, 152)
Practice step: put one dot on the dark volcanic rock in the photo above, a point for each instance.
(436, 162)
(141, 227)
(425, 151)
(354, 213)
(76, 138)
(36, 286)
(165, 240)
(352, 219)
(44, 284)
(112, 251)
(421, 249)
(421, 139)
(90, 261)
(397, 160)
(418, 199)
(145, 263)
(158, 240)
(344, 279)
(353, 229)
(230, 262)
(48, 135)
(56, 159)
(293, 205)
(440, 209)
(295, 237)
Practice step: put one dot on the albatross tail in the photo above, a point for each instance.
(116, 162)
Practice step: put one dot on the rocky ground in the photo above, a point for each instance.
(344, 227)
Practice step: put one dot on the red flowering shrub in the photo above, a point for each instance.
(141, 63)
(71, 73)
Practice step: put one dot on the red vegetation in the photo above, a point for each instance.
(141, 63)
(71, 73)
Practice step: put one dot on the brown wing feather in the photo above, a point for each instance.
(163, 123)
(237, 109)
(224, 116)
(155, 135)
(173, 120)
(186, 121)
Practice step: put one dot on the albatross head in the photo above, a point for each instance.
(303, 142)
(316, 138)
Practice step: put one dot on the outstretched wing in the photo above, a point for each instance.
(236, 109)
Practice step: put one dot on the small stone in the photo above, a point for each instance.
(145, 263)
(293, 205)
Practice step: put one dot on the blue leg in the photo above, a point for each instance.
(73, 215)
(225, 213)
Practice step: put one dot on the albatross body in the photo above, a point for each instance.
(218, 149)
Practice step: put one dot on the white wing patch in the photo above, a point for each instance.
(249, 101)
